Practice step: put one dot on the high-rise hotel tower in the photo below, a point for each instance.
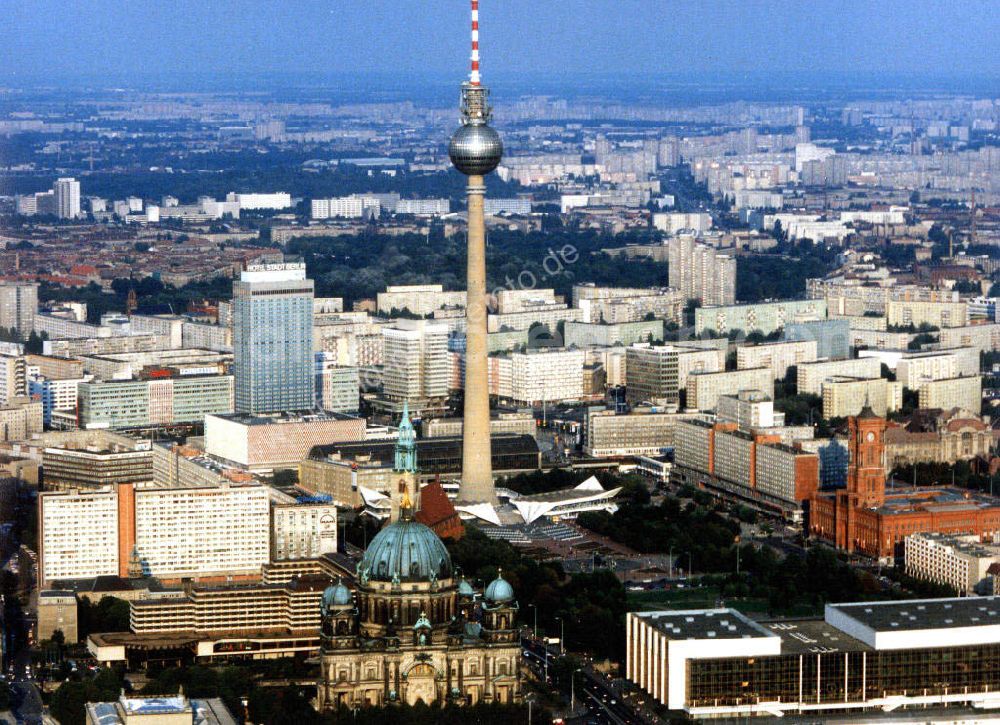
(272, 339)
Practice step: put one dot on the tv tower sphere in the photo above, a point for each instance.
(475, 149)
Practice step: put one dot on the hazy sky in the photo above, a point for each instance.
(133, 39)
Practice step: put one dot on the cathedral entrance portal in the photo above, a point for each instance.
(420, 684)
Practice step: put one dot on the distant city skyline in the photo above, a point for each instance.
(151, 43)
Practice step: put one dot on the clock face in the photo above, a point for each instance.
(870, 437)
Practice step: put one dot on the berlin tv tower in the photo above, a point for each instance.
(475, 150)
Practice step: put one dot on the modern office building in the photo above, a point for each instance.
(747, 465)
(273, 339)
(337, 386)
(860, 658)
(94, 459)
(546, 375)
(651, 375)
(155, 402)
(303, 529)
(18, 307)
(639, 433)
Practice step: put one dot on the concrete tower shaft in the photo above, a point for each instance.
(476, 150)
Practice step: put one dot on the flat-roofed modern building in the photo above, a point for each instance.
(810, 376)
(268, 442)
(273, 339)
(155, 402)
(765, 317)
(640, 433)
(93, 459)
(704, 389)
(860, 657)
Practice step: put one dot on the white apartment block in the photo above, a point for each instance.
(913, 372)
(416, 362)
(958, 561)
(13, 377)
(984, 338)
(347, 207)
(252, 202)
(880, 339)
(843, 396)
(778, 356)
(419, 299)
(77, 534)
(698, 271)
(203, 532)
(965, 393)
(937, 314)
(691, 361)
(810, 376)
(674, 222)
(627, 304)
(749, 409)
(546, 376)
(524, 300)
(67, 198)
(423, 207)
(704, 389)
(548, 315)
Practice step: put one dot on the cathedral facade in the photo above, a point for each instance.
(411, 630)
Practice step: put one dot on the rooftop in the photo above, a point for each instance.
(919, 614)
(705, 624)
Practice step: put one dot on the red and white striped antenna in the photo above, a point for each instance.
(474, 74)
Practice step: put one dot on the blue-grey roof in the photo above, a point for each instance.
(337, 595)
(465, 589)
(408, 551)
(500, 591)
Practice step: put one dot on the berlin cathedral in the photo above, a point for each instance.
(412, 630)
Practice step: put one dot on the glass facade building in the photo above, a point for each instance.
(273, 362)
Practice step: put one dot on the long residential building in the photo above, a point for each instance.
(751, 466)
(845, 396)
(960, 392)
(703, 389)
(765, 317)
(614, 305)
(207, 533)
(960, 562)
(936, 314)
(778, 356)
(810, 376)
